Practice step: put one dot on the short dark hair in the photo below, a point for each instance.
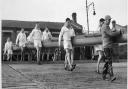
(101, 20)
(67, 19)
(113, 21)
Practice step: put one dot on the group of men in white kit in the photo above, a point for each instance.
(36, 36)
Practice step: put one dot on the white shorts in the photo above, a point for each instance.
(9, 52)
(67, 44)
(21, 44)
(37, 43)
(98, 48)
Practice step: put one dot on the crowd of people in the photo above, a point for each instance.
(67, 33)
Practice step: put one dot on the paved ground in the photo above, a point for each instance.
(53, 76)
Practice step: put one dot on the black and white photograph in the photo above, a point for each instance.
(63, 44)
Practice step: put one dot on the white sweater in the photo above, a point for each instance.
(21, 37)
(66, 33)
(36, 34)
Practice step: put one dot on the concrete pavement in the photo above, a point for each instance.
(53, 76)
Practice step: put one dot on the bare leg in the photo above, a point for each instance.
(99, 59)
(72, 60)
(8, 57)
(68, 57)
(22, 53)
(38, 54)
(66, 61)
(72, 56)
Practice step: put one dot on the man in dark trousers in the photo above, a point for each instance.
(107, 35)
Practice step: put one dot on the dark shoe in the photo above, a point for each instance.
(66, 67)
(113, 78)
(73, 67)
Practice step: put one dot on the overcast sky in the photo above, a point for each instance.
(58, 10)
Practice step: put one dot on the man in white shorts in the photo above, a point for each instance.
(36, 35)
(8, 49)
(21, 38)
(67, 32)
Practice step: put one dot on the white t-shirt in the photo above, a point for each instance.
(46, 35)
(21, 37)
(66, 33)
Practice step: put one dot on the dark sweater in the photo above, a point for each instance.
(107, 35)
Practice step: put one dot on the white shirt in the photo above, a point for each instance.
(21, 37)
(66, 33)
(8, 46)
(36, 34)
(46, 35)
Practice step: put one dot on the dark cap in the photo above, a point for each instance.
(67, 19)
(101, 20)
(113, 21)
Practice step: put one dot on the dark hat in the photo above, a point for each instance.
(101, 20)
(67, 19)
(113, 21)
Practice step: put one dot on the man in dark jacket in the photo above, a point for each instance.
(107, 35)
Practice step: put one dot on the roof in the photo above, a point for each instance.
(31, 24)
